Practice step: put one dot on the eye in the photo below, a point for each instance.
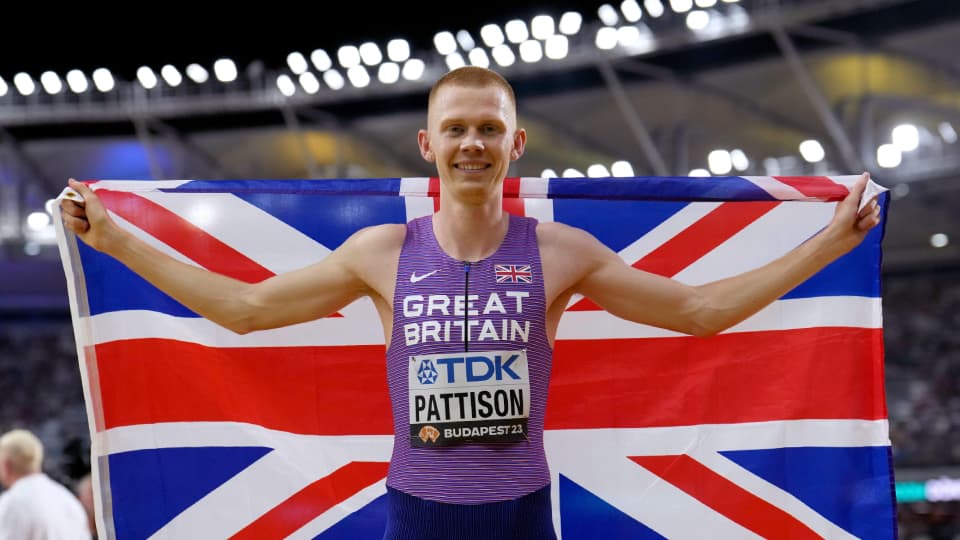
(491, 129)
(455, 130)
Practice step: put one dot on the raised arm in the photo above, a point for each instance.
(710, 308)
(299, 296)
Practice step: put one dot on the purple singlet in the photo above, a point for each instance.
(468, 369)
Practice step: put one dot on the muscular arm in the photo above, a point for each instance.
(600, 274)
(302, 295)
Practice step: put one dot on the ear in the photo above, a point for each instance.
(519, 143)
(423, 141)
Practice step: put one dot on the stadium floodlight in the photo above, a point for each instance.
(358, 76)
(608, 15)
(455, 60)
(570, 23)
(197, 73)
(370, 53)
(398, 50)
(572, 173)
(888, 156)
(621, 169)
(348, 56)
(947, 133)
(631, 10)
(413, 69)
(24, 84)
(297, 62)
(698, 20)
(939, 240)
(51, 82)
(699, 173)
(516, 31)
(739, 160)
(491, 35)
(76, 81)
(606, 38)
(704, 4)
(466, 40)
(309, 82)
(548, 173)
(531, 51)
(719, 162)
(598, 170)
(321, 60)
(285, 85)
(654, 8)
(444, 42)
(388, 72)
(556, 47)
(171, 75)
(542, 27)
(3, 87)
(681, 6)
(628, 35)
(103, 79)
(334, 79)
(503, 55)
(478, 57)
(37, 221)
(812, 151)
(225, 70)
(147, 78)
(906, 137)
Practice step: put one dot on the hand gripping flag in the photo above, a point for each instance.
(776, 428)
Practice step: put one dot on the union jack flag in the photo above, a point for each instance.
(776, 428)
(513, 273)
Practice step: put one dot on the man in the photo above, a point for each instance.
(34, 507)
(448, 320)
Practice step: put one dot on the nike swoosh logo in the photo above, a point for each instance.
(414, 278)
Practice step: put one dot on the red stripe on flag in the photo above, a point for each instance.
(308, 503)
(821, 187)
(310, 390)
(727, 498)
(184, 236)
(512, 202)
(433, 190)
(692, 243)
(740, 377)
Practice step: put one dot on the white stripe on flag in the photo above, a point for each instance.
(330, 518)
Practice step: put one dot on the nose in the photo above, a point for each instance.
(472, 142)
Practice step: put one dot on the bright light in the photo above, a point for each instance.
(3, 87)
(681, 6)
(946, 130)
(811, 151)
(309, 83)
(24, 84)
(606, 38)
(621, 169)
(51, 82)
(939, 240)
(503, 55)
(37, 221)
(705, 3)
(542, 26)
(572, 173)
(627, 35)
(631, 10)
(171, 75)
(398, 50)
(492, 35)
(455, 60)
(297, 62)
(531, 51)
(321, 60)
(478, 57)
(196, 73)
(370, 53)
(719, 162)
(413, 69)
(608, 15)
(444, 42)
(699, 172)
(698, 20)
(906, 137)
(597, 170)
(570, 23)
(103, 79)
(739, 160)
(517, 31)
(888, 156)
(548, 173)
(225, 70)
(556, 47)
(654, 8)
(389, 72)
(358, 76)
(465, 40)
(334, 79)
(76, 80)
(147, 78)
(348, 56)
(285, 85)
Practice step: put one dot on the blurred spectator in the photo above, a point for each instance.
(34, 507)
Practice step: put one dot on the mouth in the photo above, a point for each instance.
(470, 167)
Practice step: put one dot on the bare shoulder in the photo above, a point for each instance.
(553, 236)
(378, 238)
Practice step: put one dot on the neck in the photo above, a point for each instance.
(470, 232)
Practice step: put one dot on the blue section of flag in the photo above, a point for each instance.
(848, 275)
(583, 515)
(615, 223)
(151, 487)
(659, 188)
(364, 186)
(367, 522)
(849, 486)
(342, 215)
(111, 286)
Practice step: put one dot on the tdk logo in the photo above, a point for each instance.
(471, 369)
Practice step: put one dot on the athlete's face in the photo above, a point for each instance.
(472, 136)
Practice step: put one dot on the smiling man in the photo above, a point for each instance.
(470, 299)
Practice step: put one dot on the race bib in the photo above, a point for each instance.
(468, 397)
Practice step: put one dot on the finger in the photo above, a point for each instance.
(72, 208)
(80, 188)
